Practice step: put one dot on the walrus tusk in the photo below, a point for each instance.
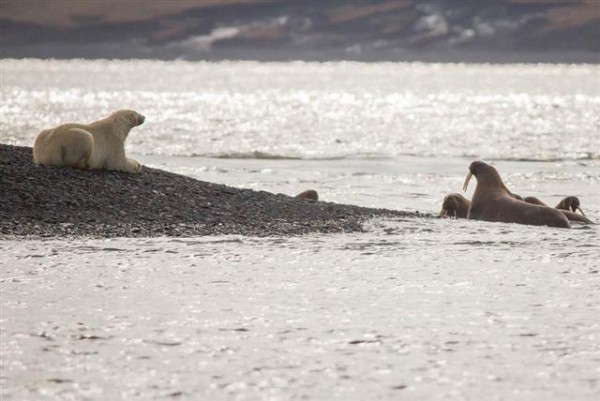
(467, 179)
(581, 211)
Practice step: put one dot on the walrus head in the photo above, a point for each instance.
(477, 169)
(455, 205)
(570, 203)
(486, 175)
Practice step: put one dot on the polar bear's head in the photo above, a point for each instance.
(125, 120)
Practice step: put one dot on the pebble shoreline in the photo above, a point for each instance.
(48, 201)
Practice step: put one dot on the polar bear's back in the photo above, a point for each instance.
(65, 145)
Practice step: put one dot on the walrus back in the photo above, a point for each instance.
(572, 216)
(516, 211)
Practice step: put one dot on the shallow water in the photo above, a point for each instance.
(417, 308)
(408, 310)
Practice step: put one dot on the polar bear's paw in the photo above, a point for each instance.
(133, 166)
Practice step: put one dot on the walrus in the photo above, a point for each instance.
(309, 194)
(492, 201)
(568, 206)
(455, 205)
(570, 203)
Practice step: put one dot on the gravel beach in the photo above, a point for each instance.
(47, 201)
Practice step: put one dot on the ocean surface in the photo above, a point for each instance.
(418, 308)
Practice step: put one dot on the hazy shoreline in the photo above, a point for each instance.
(129, 52)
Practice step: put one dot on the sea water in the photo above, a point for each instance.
(418, 308)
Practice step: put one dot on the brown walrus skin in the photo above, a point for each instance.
(570, 203)
(492, 201)
(309, 194)
(567, 206)
(455, 205)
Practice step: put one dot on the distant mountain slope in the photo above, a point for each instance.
(492, 30)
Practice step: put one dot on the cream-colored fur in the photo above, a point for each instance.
(99, 145)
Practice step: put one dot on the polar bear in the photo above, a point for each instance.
(99, 145)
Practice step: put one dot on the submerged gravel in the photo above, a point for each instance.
(47, 201)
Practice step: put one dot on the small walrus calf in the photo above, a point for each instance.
(455, 205)
(99, 145)
(492, 201)
(570, 204)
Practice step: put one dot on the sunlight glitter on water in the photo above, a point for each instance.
(313, 110)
